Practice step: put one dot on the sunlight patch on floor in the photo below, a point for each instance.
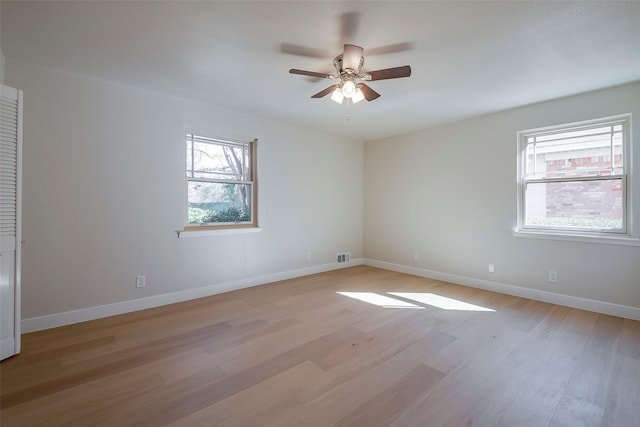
(380, 300)
(422, 298)
(439, 301)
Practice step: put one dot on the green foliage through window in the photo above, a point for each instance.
(231, 214)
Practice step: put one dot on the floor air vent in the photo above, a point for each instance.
(343, 257)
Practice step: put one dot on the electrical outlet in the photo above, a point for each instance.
(416, 256)
(141, 281)
(308, 255)
(492, 268)
(553, 276)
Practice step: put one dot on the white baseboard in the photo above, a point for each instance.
(627, 312)
(97, 312)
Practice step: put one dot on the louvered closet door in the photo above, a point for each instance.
(10, 198)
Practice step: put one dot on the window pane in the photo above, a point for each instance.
(214, 202)
(617, 150)
(189, 157)
(591, 205)
(219, 161)
(587, 152)
(581, 133)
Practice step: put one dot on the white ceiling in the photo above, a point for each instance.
(468, 58)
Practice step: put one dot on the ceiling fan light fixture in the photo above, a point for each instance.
(357, 96)
(348, 89)
(337, 96)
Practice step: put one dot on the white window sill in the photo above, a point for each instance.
(609, 240)
(185, 234)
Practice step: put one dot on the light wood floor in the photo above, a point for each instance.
(297, 353)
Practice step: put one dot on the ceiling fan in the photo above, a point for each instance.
(350, 75)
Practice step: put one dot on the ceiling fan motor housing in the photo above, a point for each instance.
(338, 63)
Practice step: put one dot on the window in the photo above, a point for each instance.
(573, 179)
(221, 182)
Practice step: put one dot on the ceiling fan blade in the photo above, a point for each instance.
(311, 73)
(296, 49)
(325, 92)
(390, 73)
(369, 94)
(390, 48)
(351, 57)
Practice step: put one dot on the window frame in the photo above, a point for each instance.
(623, 235)
(252, 181)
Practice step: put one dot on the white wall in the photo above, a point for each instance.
(2, 58)
(104, 195)
(449, 193)
(2, 61)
